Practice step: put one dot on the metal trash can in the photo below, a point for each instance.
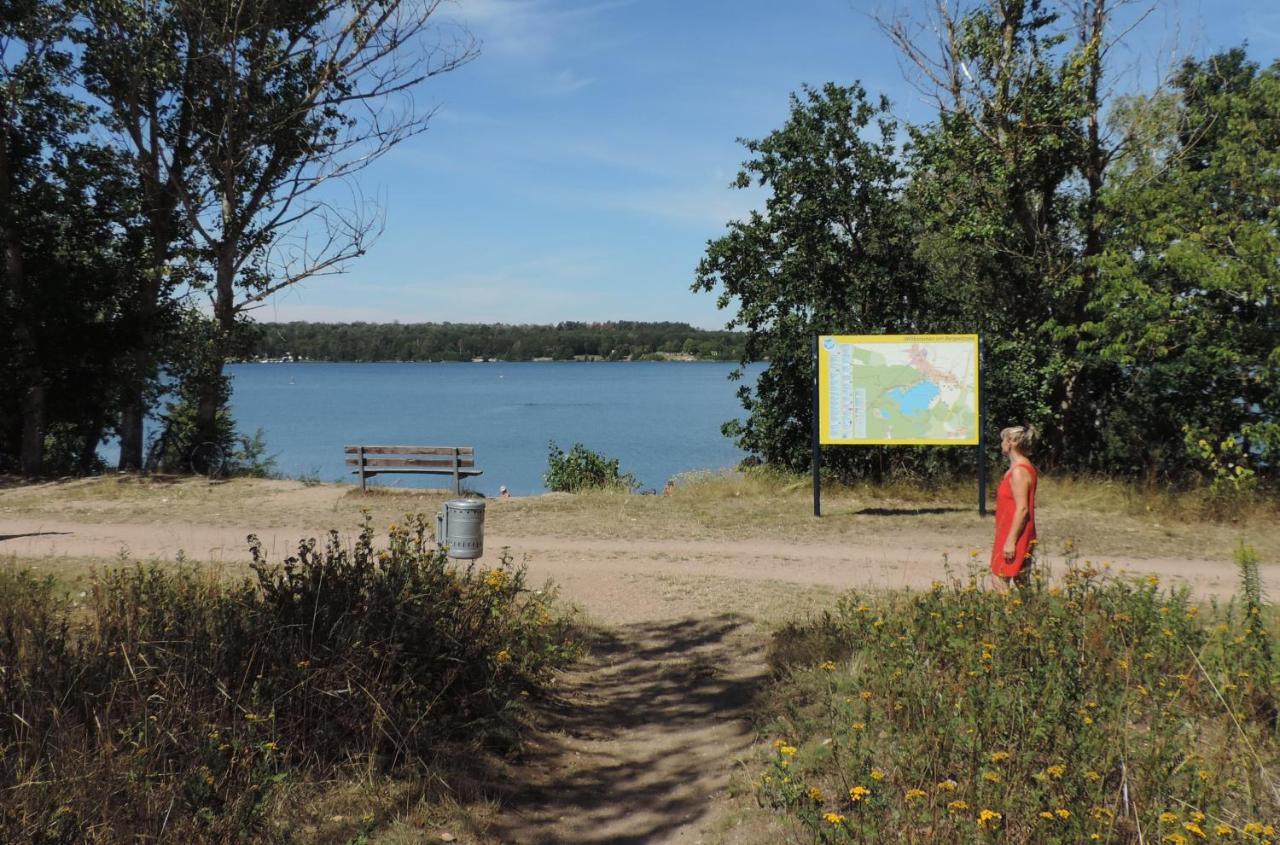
(460, 528)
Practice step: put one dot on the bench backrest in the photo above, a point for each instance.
(442, 457)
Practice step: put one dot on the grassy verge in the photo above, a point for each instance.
(172, 703)
(1098, 709)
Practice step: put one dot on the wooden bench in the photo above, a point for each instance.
(458, 461)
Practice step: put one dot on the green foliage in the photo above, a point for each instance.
(1188, 305)
(1125, 283)
(167, 703)
(462, 341)
(582, 469)
(831, 252)
(1085, 712)
(65, 203)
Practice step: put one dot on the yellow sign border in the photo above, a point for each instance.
(824, 386)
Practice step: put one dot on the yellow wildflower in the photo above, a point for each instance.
(1197, 816)
(1168, 818)
(834, 818)
(1224, 831)
(865, 695)
(1063, 813)
(858, 793)
(993, 777)
(827, 666)
(778, 743)
(958, 806)
(859, 726)
(815, 793)
(1192, 827)
(947, 785)
(999, 756)
(876, 774)
(1252, 827)
(1091, 775)
(1045, 814)
(503, 657)
(788, 750)
(913, 794)
(986, 817)
(1056, 772)
(1175, 839)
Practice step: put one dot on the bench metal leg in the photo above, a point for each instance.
(457, 480)
(362, 487)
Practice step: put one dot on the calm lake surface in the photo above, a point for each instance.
(660, 419)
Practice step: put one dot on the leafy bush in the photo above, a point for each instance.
(583, 469)
(1100, 710)
(169, 704)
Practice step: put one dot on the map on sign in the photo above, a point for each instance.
(905, 390)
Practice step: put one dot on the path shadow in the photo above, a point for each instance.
(638, 741)
(4, 537)
(908, 511)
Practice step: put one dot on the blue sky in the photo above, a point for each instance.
(577, 168)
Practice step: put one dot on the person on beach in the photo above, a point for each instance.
(503, 492)
(1015, 509)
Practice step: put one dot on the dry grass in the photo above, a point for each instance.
(1104, 518)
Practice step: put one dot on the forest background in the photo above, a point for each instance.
(1119, 252)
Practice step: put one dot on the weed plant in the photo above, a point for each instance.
(582, 469)
(165, 704)
(1094, 708)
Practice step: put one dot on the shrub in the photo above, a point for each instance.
(583, 469)
(169, 704)
(1103, 710)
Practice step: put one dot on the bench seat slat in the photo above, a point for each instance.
(467, 451)
(371, 472)
(409, 462)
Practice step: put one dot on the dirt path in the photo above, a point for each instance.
(642, 739)
(615, 581)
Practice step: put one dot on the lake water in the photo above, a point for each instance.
(660, 419)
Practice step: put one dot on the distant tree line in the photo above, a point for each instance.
(162, 171)
(614, 341)
(1121, 254)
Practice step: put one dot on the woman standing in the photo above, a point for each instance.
(1015, 508)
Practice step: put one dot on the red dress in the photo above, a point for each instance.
(1005, 506)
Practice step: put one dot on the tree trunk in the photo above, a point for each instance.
(31, 442)
(210, 388)
(132, 416)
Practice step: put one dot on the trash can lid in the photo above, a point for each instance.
(465, 504)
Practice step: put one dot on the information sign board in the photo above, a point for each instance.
(900, 390)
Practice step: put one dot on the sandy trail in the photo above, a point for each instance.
(600, 575)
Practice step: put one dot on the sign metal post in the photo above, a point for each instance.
(982, 429)
(816, 458)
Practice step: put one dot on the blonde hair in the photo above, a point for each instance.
(1024, 437)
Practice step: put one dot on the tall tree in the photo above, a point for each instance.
(138, 61)
(293, 98)
(245, 117)
(65, 208)
(830, 252)
(1189, 304)
(1007, 183)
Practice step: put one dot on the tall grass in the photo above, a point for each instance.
(166, 704)
(1097, 709)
